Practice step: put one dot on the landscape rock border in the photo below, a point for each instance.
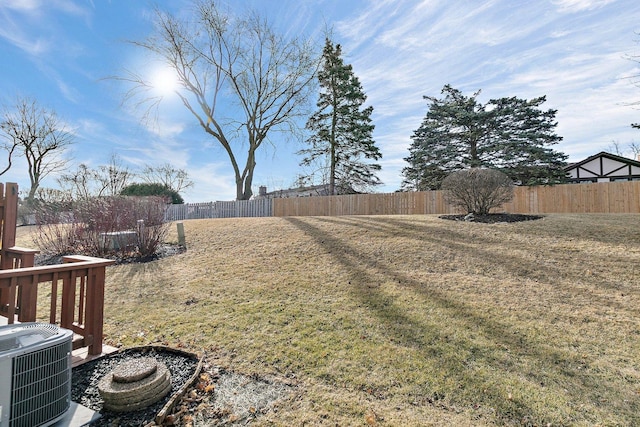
(165, 250)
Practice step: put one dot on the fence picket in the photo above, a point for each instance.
(229, 209)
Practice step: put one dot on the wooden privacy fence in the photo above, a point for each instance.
(604, 197)
(408, 203)
(607, 197)
(610, 197)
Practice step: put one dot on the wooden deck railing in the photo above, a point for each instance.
(76, 290)
(17, 257)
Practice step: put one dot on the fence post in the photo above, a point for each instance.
(182, 241)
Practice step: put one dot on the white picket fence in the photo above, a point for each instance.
(232, 209)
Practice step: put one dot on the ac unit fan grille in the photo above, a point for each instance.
(41, 386)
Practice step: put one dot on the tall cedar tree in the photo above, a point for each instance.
(341, 129)
(508, 134)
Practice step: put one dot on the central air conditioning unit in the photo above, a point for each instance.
(35, 374)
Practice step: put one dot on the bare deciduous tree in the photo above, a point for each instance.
(9, 145)
(238, 78)
(631, 150)
(79, 183)
(114, 177)
(39, 135)
(175, 179)
(106, 180)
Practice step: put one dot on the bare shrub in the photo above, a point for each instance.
(57, 231)
(57, 238)
(92, 224)
(151, 227)
(477, 190)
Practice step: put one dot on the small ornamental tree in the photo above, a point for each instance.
(37, 134)
(167, 174)
(477, 190)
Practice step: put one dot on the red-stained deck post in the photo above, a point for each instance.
(94, 320)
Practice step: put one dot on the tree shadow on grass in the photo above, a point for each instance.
(515, 266)
(563, 367)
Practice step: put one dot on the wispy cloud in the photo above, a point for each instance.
(580, 5)
(573, 51)
(15, 33)
(214, 183)
(403, 50)
(26, 23)
(36, 6)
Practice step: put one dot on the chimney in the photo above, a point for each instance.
(262, 190)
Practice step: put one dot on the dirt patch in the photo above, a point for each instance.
(491, 218)
(236, 399)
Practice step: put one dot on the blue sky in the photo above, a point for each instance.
(573, 51)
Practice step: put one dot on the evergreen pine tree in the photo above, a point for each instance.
(511, 135)
(341, 130)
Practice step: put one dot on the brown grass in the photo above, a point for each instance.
(405, 320)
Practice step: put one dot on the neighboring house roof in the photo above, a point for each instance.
(313, 190)
(603, 166)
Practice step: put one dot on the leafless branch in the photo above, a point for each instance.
(235, 73)
(39, 135)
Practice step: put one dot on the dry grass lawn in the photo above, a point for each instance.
(405, 320)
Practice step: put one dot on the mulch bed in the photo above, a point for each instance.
(166, 250)
(491, 218)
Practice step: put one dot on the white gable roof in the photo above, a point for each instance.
(603, 165)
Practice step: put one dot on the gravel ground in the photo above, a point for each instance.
(85, 378)
(218, 397)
